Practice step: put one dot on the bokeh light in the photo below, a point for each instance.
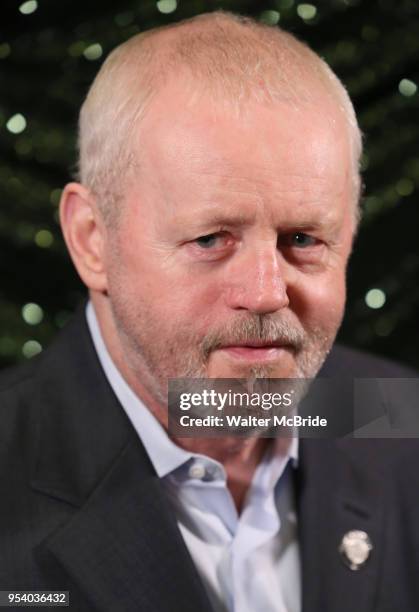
(93, 52)
(166, 6)
(44, 238)
(306, 11)
(4, 50)
(31, 348)
(405, 187)
(29, 7)
(375, 298)
(16, 124)
(407, 88)
(32, 313)
(270, 17)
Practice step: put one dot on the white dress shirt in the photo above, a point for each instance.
(247, 562)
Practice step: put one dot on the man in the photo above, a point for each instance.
(213, 221)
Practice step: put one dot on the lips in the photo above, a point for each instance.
(258, 344)
(256, 350)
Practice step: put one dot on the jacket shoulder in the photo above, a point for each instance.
(347, 362)
(23, 388)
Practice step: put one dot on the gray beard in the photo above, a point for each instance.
(310, 350)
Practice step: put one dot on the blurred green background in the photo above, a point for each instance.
(50, 51)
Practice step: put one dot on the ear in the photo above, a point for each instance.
(84, 234)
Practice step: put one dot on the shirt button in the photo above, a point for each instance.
(197, 471)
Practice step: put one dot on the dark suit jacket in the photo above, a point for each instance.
(81, 508)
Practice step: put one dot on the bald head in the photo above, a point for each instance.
(229, 58)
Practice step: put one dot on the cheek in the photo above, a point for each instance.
(198, 301)
(319, 302)
(181, 300)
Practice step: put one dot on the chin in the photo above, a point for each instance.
(227, 364)
(253, 370)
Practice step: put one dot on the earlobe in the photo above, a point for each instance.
(83, 232)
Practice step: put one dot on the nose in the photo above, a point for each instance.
(256, 283)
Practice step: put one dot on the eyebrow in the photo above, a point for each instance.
(214, 219)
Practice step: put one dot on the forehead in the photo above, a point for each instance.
(191, 142)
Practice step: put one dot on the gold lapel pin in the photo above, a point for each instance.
(355, 548)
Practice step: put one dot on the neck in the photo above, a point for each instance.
(239, 456)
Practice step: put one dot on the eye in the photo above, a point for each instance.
(301, 240)
(208, 241)
(211, 247)
(302, 248)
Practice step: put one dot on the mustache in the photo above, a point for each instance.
(255, 328)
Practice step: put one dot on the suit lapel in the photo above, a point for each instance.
(123, 547)
(340, 488)
(121, 544)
